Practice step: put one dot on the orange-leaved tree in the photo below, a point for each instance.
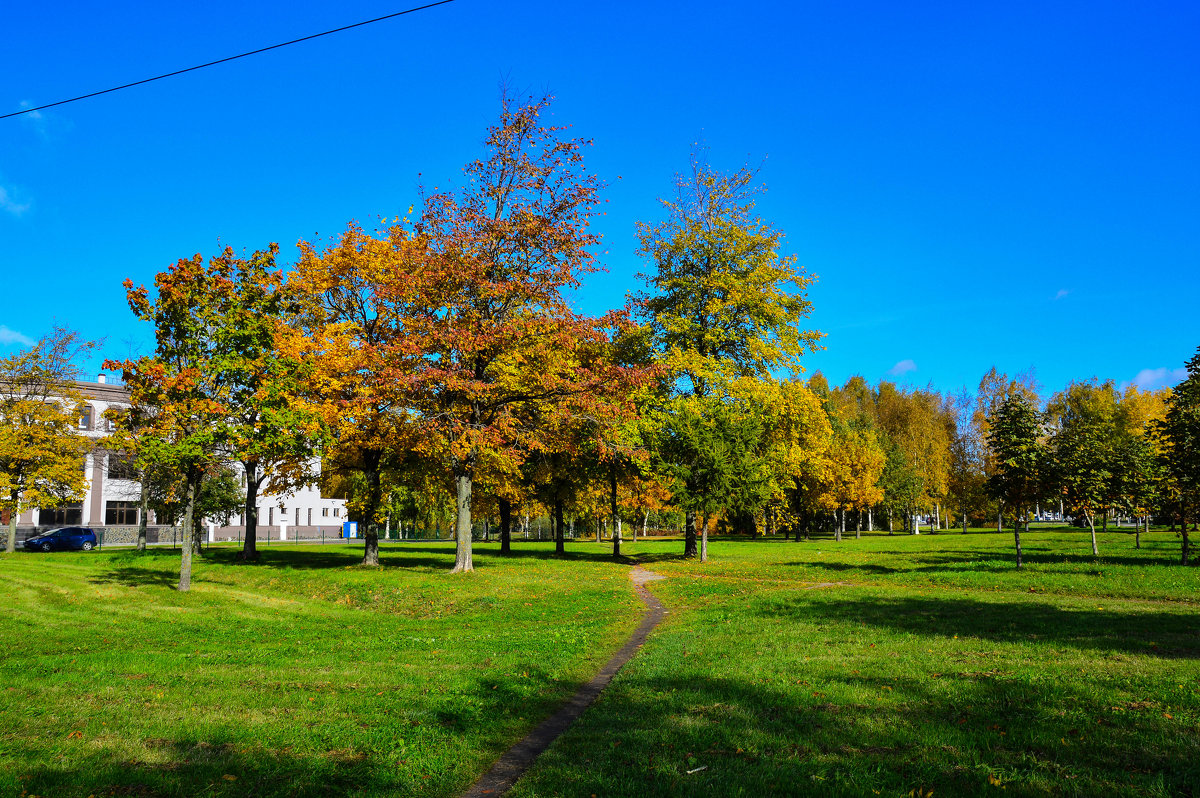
(490, 330)
(351, 330)
(178, 396)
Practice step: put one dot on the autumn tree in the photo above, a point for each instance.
(916, 428)
(447, 326)
(713, 455)
(798, 438)
(273, 436)
(851, 479)
(41, 452)
(130, 439)
(490, 327)
(857, 454)
(182, 382)
(1084, 448)
(966, 478)
(994, 388)
(1137, 467)
(1179, 432)
(1019, 456)
(722, 302)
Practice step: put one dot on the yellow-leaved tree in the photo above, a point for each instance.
(41, 452)
(722, 303)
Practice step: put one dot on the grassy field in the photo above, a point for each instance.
(886, 666)
(306, 675)
(904, 666)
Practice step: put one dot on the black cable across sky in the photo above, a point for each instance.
(230, 58)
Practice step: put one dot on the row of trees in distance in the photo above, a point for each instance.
(437, 359)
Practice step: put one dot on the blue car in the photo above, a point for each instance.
(65, 539)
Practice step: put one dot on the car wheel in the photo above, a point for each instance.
(88, 545)
(46, 547)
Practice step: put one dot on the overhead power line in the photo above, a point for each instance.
(230, 58)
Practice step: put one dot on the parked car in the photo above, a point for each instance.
(69, 537)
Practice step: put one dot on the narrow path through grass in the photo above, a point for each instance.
(518, 759)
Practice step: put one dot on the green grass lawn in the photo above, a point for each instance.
(890, 665)
(930, 665)
(306, 675)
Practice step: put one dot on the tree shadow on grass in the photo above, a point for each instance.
(691, 734)
(988, 561)
(132, 576)
(405, 555)
(1147, 633)
(576, 554)
(191, 767)
(152, 554)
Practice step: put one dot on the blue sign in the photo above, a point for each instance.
(350, 529)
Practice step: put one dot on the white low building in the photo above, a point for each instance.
(111, 502)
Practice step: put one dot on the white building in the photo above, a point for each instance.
(111, 502)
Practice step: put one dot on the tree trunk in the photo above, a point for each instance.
(964, 522)
(560, 546)
(1092, 524)
(505, 526)
(704, 539)
(462, 524)
(645, 525)
(193, 529)
(1105, 529)
(858, 526)
(1183, 528)
(891, 523)
(839, 523)
(253, 480)
(1137, 532)
(1017, 538)
(10, 545)
(185, 560)
(143, 513)
(1000, 518)
(612, 489)
(372, 459)
(689, 534)
(870, 519)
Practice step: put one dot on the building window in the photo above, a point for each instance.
(67, 515)
(325, 512)
(270, 516)
(85, 417)
(297, 516)
(120, 513)
(310, 516)
(335, 512)
(120, 466)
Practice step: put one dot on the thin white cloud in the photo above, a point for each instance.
(32, 114)
(10, 204)
(1062, 292)
(1153, 379)
(902, 368)
(8, 336)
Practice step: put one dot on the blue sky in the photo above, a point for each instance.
(1013, 184)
